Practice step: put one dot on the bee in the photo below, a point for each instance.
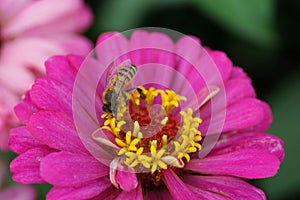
(116, 81)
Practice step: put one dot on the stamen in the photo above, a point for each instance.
(156, 140)
(164, 121)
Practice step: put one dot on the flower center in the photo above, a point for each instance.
(154, 134)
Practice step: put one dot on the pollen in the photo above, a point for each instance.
(153, 141)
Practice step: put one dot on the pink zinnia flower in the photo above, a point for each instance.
(168, 151)
(30, 32)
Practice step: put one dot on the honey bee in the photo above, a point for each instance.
(117, 79)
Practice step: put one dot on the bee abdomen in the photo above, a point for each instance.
(127, 72)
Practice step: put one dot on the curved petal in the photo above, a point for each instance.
(178, 190)
(56, 130)
(71, 169)
(237, 89)
(75, 44)
(26, 167)
(267, 121)
(23, 55)
(112, 48)
(243, 114)
(227, 187)
(188, 49)
(250, 140)
(160, 194)
(136, 194)
(50, 95)
(110, 193)
(238, 72)
(126, 178)
(21, 140)
(8, 10)
(17, 80)
(64, 69)
(245, 163)
(52, 13)
(223, 63)
(82, 191)
(205, 194)
(152, 47)
(25, 109)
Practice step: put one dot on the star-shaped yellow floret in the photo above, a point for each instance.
(156, 157)
(190, 136)
(111, 125)
(135, 158)
(170, 99)
(128, 144)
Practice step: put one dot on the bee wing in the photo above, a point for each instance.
(112, 69)
(203, 97)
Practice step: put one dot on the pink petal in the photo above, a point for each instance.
(82, 191)
(240, 115)
(228, 187)
(63, 69)
(158, 194)
(238, 72)
(151, 48)
(9, 10)
(110, 48)
(71, 169)
(126, 178)
(136, 194)
(15, 79)
(109, 193)
(25, 109)
(205, 194)
(56, 130)
(26, 167)
(18, 192)
(32, 52)
(223, 63)
(188, 50)
(21, 140)
(267, 121)
(178, 190)
(253, 140)
(7, 117)
(75, 44)
(51, 13)
(246, 163)
(53, 96)
(237, 89)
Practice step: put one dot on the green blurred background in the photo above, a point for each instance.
(262, 36)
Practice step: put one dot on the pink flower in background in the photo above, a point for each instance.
(52, 148)
(30, 32)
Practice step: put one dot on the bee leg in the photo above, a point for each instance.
(125, 97)
(143, 96)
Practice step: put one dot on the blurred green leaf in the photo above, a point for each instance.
(285, 103)
(122, 15)
(42, 190)
(252, 20)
